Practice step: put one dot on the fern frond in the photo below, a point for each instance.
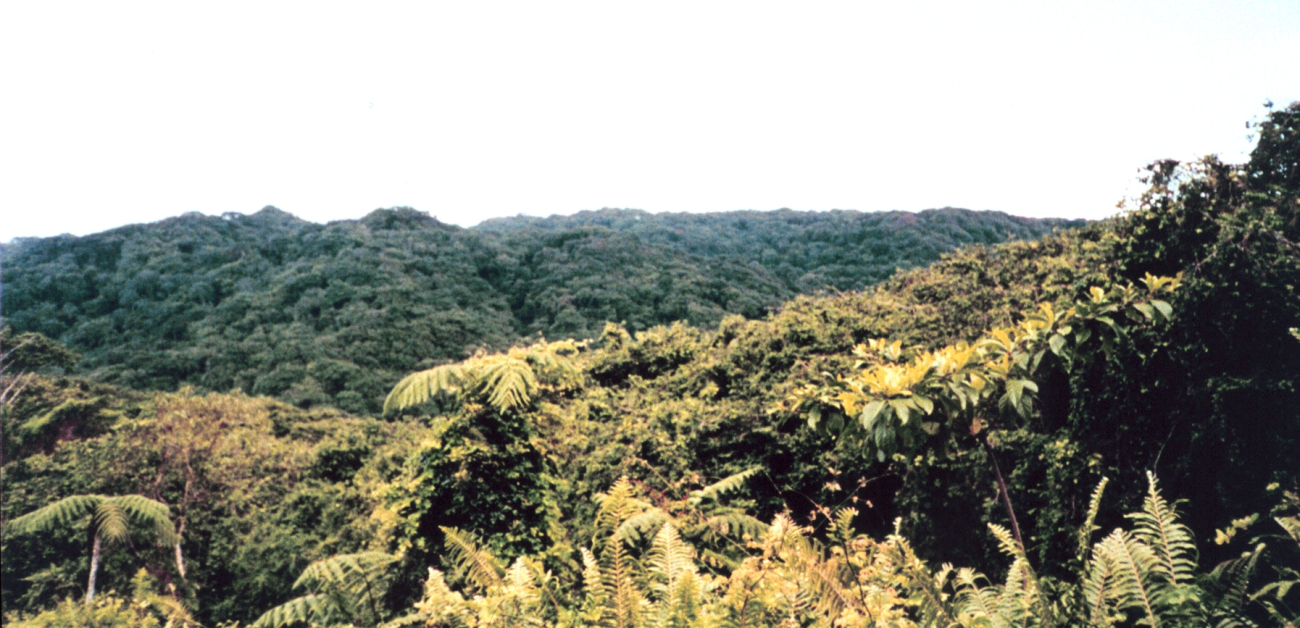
(669, 556)
(1006, 542)
(593, 587)
(474, 563)
(55, 515)
(934, 607)
(726, 485)
(617, 506)
(971, 600)
(1233, 579)
(1089, 522)
(1173, 543)
(735, 525)
(417, 388)
(509, 383)
(299, 610)
(626, 602)
(343, 571)
(111, 521)
(150, 512)
(1133, 566)
(1097, 591)
(636, 529)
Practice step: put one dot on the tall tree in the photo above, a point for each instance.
(109, 519)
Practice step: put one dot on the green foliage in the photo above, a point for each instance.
(505, 382)
(32, 351)
(110, 516)
(145, 609)
(260, 488)
(334, 314)
(340, 589)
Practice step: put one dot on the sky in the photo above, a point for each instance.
(121, 112)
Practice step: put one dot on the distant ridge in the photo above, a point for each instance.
(335, 313)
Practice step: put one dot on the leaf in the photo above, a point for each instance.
(1165, 309)
(1057, 343)
(901, 409)
(869, 414)
(924, 403)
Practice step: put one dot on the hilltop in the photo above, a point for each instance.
(335, 313)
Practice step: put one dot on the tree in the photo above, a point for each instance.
(110, 519)
(482, 469)
(890, 404)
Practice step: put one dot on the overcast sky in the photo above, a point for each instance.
(119, 112)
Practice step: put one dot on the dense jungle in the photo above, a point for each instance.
(619, 418)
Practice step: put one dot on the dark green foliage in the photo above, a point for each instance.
(258, 490)
(334, 314)
(515, 449)
(31, 352)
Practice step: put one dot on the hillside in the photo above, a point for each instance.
(334, 314)
(1104, 420)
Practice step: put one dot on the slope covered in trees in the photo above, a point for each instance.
(334, 314)
(748, 473)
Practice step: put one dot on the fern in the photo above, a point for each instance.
(1089, 522)
(1133, 565)
(1172, 542)
(342, 587)
(504, 381)
(1233, 579)
(726, 485)
(639, 528)
(417, 388)
(473, 563)
(1097, 591)
(508, 383)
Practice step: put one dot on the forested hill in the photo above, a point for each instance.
(335, 313)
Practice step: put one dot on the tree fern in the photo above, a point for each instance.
(417, 388)
(340, 588)
(110, 519)
(504, 381)
(507, 383)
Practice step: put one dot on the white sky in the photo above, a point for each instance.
(118, 112)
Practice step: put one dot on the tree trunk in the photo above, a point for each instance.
(1006, 498)
(94, 567)
(180, 560)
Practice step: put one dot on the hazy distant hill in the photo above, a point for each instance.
(335, 313)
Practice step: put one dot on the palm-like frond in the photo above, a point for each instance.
(640, 527)
(417, 388)
(111, 517)
(57, 514)
(508, 383)
(300, 610)
(111, 521)
(341, 587)
(147, 512)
